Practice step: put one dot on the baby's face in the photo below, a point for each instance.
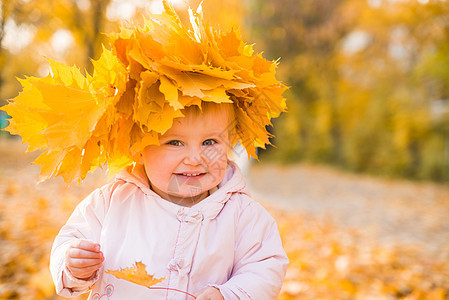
(191, 158)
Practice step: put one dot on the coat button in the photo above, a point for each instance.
(180, 215)
(193, 216)
(175, 264)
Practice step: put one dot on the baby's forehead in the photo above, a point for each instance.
(208, 108)
(208, 113)
(204, 123)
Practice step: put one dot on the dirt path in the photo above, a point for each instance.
(393, 211)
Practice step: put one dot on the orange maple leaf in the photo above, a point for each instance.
(136, 274)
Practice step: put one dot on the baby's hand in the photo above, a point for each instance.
(83, 258)
(209, 293)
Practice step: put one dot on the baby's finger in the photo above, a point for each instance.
(81, 253)
(86, 245)
(84, 273)
(203, 297)
(84, 262)
(209, 293)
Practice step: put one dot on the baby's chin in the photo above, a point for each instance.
(186, 199)
(194, 195)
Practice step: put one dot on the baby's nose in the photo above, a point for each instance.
(193, 156)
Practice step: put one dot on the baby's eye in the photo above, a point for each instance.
(209, 142)
(174, 143)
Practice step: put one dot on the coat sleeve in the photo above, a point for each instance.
(260, 262)
(84, 223)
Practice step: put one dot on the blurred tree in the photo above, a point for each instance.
(397, 75)
(227, 14)
(3, 16)
(368, 83)
(304, 35)
(84, 21)
(5, 13)
(64, 30)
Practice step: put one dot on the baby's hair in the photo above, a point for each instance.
(212, 110)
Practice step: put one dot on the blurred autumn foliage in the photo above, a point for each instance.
(369, 83)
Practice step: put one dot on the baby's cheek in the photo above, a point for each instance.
(219, 170)
(216, 155)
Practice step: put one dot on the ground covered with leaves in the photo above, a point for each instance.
(329, 258)
(330, 262)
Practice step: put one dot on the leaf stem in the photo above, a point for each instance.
(170, 289)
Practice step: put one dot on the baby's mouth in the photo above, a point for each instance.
(189, 174)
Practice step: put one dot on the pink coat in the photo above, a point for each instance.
(228, 240)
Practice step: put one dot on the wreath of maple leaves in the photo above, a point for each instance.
(136, 91)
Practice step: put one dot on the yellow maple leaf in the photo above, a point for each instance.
(136, 274)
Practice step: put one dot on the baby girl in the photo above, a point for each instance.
(185, 212)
